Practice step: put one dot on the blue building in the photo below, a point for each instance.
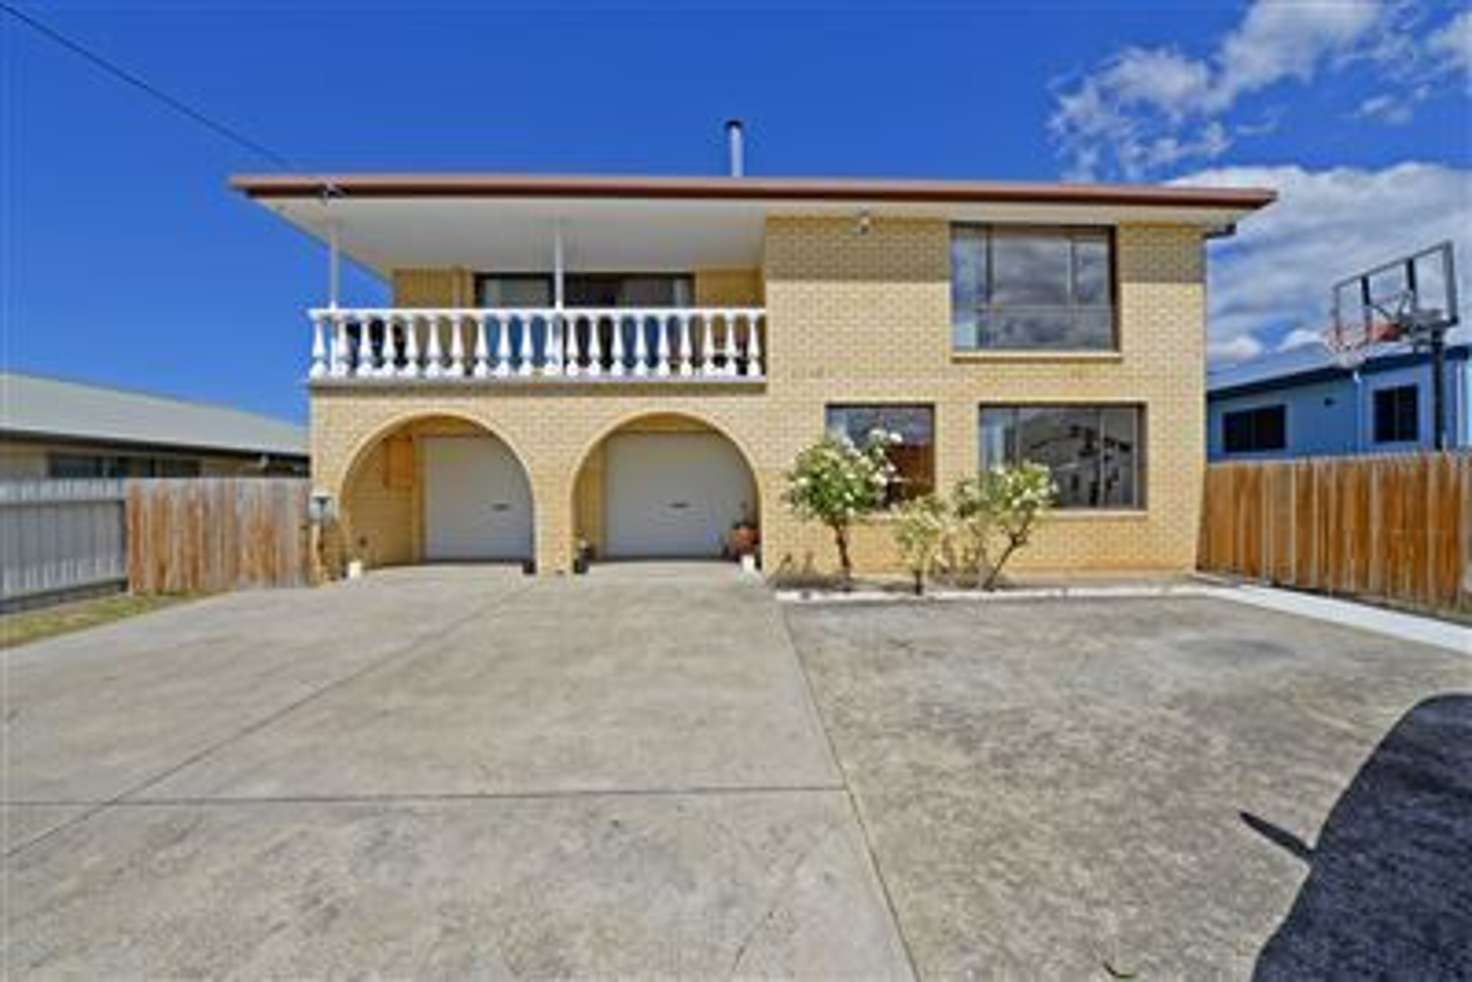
(1299, 403)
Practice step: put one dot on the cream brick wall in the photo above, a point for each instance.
(851, 318)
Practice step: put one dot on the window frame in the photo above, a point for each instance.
(1281, 408)
(897, 493)
(1141, 469)
(1071, 232)
(1395, 392)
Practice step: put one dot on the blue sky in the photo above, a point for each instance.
(126, 261)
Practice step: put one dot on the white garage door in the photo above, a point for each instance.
(673, 494)
(477, 503)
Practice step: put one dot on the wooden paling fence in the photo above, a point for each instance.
(1392, 527)
(189, 535)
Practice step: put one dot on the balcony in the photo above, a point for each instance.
(504, 345)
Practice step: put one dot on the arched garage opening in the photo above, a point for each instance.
(437, 488)
(665, 485)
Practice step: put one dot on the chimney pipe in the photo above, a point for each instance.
(735, 132)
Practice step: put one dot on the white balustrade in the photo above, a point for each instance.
(689, 344)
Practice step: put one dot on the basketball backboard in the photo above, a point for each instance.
(1407, 299)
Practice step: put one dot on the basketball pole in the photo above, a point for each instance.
(1438, 388)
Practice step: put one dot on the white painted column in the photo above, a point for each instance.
(434, 354)
(641, 344)
(662, 348)
(618, 345)
(411, 348)
(319, 347)
(503, 348)
(525, 349)
(339, 344)
(332, 264)
(555, 325)
(457, 345)
(707, 345)
(482, 349)
(754, 346)
(687, 350)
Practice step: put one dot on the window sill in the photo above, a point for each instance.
(1098, 514)
(1088, 356)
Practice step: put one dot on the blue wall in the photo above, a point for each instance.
(1336, 416)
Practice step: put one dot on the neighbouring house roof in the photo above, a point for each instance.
(37, 407)
(1308, 364)
(634, 223)
(741, 188)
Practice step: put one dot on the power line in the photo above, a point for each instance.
(222, 129)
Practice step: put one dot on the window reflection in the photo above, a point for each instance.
(1093, 452)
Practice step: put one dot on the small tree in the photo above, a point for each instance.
(922, 532)
(836, 482)
(968, 547)
(1016, 499)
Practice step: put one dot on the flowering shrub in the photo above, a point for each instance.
(836, 482)
(922, 532)
(1014, 499)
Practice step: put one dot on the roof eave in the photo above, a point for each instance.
(379, 185)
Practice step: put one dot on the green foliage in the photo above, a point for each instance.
(836, 482)
(922, 528)
(957, 536)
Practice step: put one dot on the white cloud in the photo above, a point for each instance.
(1452, 43)
(1146, 109)
(1270, 283)
(1299, 337)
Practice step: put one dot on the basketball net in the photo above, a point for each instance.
(1351, 344)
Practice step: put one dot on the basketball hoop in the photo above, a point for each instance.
(1411, 299)
(1350, 344)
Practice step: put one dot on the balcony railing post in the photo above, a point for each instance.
(482, 349)
(319, 347)
(572, 365)
(595, 346)
(434, 354)
(552, 349)
(687, 352)
(410, 367)
(753, 345)
(618, 367)
(662, 347)
(457, 344)
(503, 345)
(707, 344)
(339, 345)
(641, 344)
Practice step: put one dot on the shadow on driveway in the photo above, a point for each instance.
(1389, 890)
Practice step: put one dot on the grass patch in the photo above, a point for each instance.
(26, 626)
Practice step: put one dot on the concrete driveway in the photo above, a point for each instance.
(658, 770)
(1154, 788)
(435, 772)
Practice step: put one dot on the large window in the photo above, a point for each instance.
(1028, 288)
(1398, 414)
(913, 457)
(585, 290)
(1255, 430)
(1096, 453)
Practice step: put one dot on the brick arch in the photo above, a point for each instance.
(364, 450)
(626, 420)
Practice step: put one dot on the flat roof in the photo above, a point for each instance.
(36, 407)
(1312, 363)
(494, 185)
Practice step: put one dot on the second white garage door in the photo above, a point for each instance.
(673, 494)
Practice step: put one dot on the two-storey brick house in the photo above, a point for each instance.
(633, 362)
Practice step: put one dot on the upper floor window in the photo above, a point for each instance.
(1032, 288)
(1255, 430)
(913, 457)
(585, 290)
(1397, 414)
